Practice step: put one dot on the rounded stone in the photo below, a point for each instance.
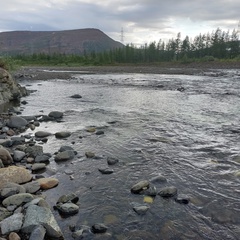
(47, 183)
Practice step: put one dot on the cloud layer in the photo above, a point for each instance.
(142, 20)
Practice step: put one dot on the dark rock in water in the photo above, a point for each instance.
(168, 192)
(68, 208)
(137, 188)
(100, 132)
(17, 122)
(62, 134)
(76, 96)
(42, 158)
(24, 102)
(182, 199)
(55, 114)
(45, 118)
(99, 228)
(158, 179)
(181, 89)
(65, 148)
(89, 154)
(42, 134)
(105, 170)
(112, 161)
(71, 197)
(82, 232)
(140, 209)
(66, 155)
(151, 191)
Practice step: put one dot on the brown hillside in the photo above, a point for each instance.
(49, 42)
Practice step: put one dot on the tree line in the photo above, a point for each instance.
(207, 47)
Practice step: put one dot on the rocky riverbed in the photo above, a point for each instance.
(35, 204)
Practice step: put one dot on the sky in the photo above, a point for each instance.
(133, 21)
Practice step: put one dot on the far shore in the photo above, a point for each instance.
(65, 72)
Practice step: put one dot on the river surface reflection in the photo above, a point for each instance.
(190, 136)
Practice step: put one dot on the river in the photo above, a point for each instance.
(183, 127)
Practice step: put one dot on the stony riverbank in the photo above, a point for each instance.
(64, 72)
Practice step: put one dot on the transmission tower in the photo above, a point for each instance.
(122, 36)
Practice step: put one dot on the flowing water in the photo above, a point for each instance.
(191, 137)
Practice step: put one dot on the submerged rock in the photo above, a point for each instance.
(137, 188)
(168, 191)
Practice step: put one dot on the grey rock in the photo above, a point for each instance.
(112, 161)
(63, 134)
(64, 156)
(183, 199)
(151, 191)
(18, 140)
(31, 187)
(34, 151)
(42, 158)
(10, 189)
(18, 155)
(35, 216)
(38, 233)
(105, 170)
(158, 179)
(76, 96)
(55, 114)
(137, 188)
(16, 122)
(168, 191)
(89, 154)
(17, 199)
(42, 134)
(67, 208)
(83, 232)
(38, 166)
(100, 132)
(65, 148)
(99, 228)
(4, 213)
(5, 156)
(12, 223)
(71, 197)
(140, 209)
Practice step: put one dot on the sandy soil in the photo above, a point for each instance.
(44, 73)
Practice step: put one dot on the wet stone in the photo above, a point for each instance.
(31, 187)
(105, 170)
(168, 192)
(68, 208)
(112, 161)
(42, 158)
(64, 156)
(38, 166)
(99, 228)
(140, 209)
(71, 197)
(142, 185)
(62, 134)
(89, 154)
(47, 183)
(42, 134)
(183, 199)
(158, 179)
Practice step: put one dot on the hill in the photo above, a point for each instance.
(76, 41)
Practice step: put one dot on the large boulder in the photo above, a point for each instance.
(17, 122)
(36, 216)
(9, 89)
(14, 174)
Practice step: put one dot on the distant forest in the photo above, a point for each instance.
(205, 47)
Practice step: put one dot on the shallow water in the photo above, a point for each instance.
(190, 137)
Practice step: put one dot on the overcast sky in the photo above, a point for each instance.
(142, 21)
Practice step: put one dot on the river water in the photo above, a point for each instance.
(191, 137)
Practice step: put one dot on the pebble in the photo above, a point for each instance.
(99, 228)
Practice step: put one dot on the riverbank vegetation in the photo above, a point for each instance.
(217, 46)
